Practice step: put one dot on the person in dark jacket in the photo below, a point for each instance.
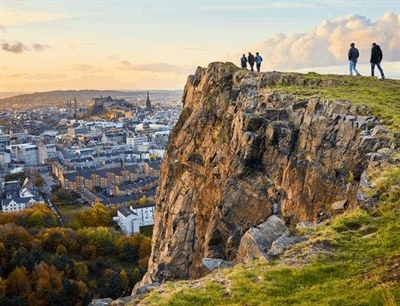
(250, 59)
(243, 61)
(376, 59)
(353, 55)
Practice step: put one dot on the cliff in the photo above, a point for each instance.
(242, 151)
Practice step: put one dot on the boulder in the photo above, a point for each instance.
(214, 263)
(282, 243)
(257, 241)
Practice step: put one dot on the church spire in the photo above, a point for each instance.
(148, 103)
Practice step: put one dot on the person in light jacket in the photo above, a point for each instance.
(258, 61)
(353, 55)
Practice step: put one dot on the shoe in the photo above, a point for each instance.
(358, 74)
(383, 77)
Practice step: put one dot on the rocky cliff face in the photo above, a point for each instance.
(240, 153)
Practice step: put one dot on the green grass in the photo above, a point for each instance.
(355, 273)
(381, 97)
(363, 247)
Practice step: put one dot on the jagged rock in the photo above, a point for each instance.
(257, 241)
(305, 224)
(228, 164)
(212, 263)
(144, 289)
(101, 302)
(282, 243)
(340, 205)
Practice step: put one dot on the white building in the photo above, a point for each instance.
(17, 204)
(4, 138)
(131, 219)
(136, 141)
(46, 151)
(25, 152)
(5, 158)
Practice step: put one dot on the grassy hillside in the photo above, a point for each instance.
(381, 97)
(351, 260)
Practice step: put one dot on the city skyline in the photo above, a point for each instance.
(135, 45)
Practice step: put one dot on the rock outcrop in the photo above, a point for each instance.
(241, 152)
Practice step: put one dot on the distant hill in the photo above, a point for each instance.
(61, 97)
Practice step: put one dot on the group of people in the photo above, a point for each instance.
(375, 60)
(353, 54)
(251, 59)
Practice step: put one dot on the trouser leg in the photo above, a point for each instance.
(380, 69)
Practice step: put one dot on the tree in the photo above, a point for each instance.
(144, 200)
(48, 283)
(61, 250)
(37, 219)
(124, 281)
(102, 239)
(17, 237)
(113, 283)
(51, 240)
(18, 283)
(129, 252)
(22, 258)
(2, 289)
(144, 252)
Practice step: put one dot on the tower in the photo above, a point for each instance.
(75, 107)
(148, 103)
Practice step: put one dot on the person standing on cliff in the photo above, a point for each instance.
(250, 59)
(243, 62)
(353, 55)
(376, 58)
(258, 61)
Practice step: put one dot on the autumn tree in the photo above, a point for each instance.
(124, 280)
(47, 283)
(102, 239)
(18, 283)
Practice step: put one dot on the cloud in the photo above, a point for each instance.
(155, 67)
(328, 44)
(40, 47)
(16, 47)
(21, 14)
(246, 6)
(86, 68)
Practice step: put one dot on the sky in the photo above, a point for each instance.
(148, 45)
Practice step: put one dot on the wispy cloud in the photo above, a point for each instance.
(40, 47)
(194, 49)
(22, 14)
(86, 68)
(16, 47)
(255, 5)
(37, 76)
(154, 67)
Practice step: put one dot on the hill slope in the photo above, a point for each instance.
(248, 142)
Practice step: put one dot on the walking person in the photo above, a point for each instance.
(353, 55)
(250, 59)
(243, 61)
(376, 58)
(258, 61)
